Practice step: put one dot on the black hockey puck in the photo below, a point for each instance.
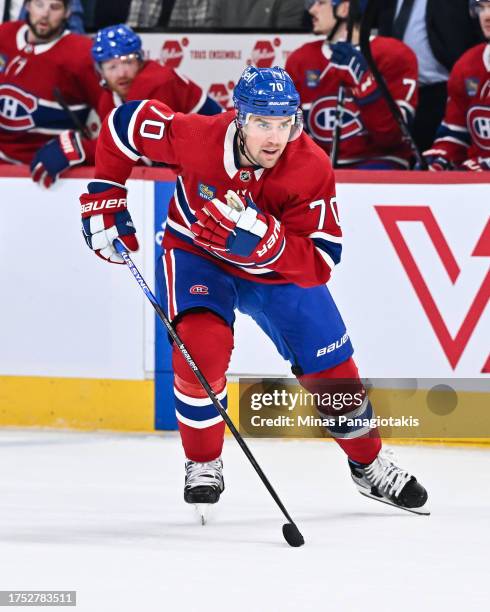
(292, 535)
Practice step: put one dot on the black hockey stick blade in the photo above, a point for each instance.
(292, 535)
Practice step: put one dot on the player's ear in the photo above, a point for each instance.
(343, 10)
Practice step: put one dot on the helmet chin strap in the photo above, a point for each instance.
(243, 148)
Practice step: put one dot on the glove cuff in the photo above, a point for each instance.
(110, 201)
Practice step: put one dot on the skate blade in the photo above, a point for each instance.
(423, 510)
(202, 510)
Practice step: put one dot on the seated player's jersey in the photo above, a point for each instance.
(369, 132)
(156, 82)
(465, 131)
(30, 113)
(299, 190)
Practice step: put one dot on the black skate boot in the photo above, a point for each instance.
(203, 484)
(384, 481)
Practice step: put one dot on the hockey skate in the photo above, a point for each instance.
(384, 481)
(203, 485)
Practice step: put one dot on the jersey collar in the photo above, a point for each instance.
(21, 40)
(229, 162)
(486, 57)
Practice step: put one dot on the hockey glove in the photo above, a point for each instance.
(436, 160)
(351, 68)
(240, 229)
(476, 164)
(105, 217)
(56, 156)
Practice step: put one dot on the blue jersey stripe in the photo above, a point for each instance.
(332, 249)
(461, 135)
(121, 119)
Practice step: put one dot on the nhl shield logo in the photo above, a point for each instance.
(245, 175)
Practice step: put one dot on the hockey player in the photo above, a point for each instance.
(463, 139)
(253, 225)
(118, 54)
(36, 58)
(370, 138)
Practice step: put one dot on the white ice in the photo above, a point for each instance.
(103, 515)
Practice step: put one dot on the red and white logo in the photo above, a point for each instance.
(172, 52)
(263, 54)
(479, 126)
(16, 108)
(199, 290)
(453, 347)
(322, 119)
(221, 94)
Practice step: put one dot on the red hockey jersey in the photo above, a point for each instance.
(465, 131)
(369, 132)
(29, 112)
(158, 83)
(299, 190)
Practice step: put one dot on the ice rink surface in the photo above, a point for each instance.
(103, 515)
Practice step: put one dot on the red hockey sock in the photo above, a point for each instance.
(209, 341)
(365, 447)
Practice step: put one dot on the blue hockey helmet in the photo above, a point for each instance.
(474, 4)
(116, 41)
(267, 92)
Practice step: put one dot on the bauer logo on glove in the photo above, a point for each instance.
(105, 217)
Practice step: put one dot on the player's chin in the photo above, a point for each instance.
(269, 159)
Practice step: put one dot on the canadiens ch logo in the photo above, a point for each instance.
(245, 175)
(3, 62)
(206, 192)
(479, 126)
(321, 119)
(16, 108)
(199, 290)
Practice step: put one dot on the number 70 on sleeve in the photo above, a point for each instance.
(323, 208)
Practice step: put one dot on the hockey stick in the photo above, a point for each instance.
(76, 121)
(367, 23)
(339, 109)
(291, 533)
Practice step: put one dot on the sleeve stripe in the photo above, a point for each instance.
(327, 258)
(325, 236)
(333, 251)
(454, 128)
(451, 139)
(132, 123)
(118, 142)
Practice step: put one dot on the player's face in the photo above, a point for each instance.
(322, 16)
(266, 138)
(46, 19)
(483, 10)
(120, 72)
